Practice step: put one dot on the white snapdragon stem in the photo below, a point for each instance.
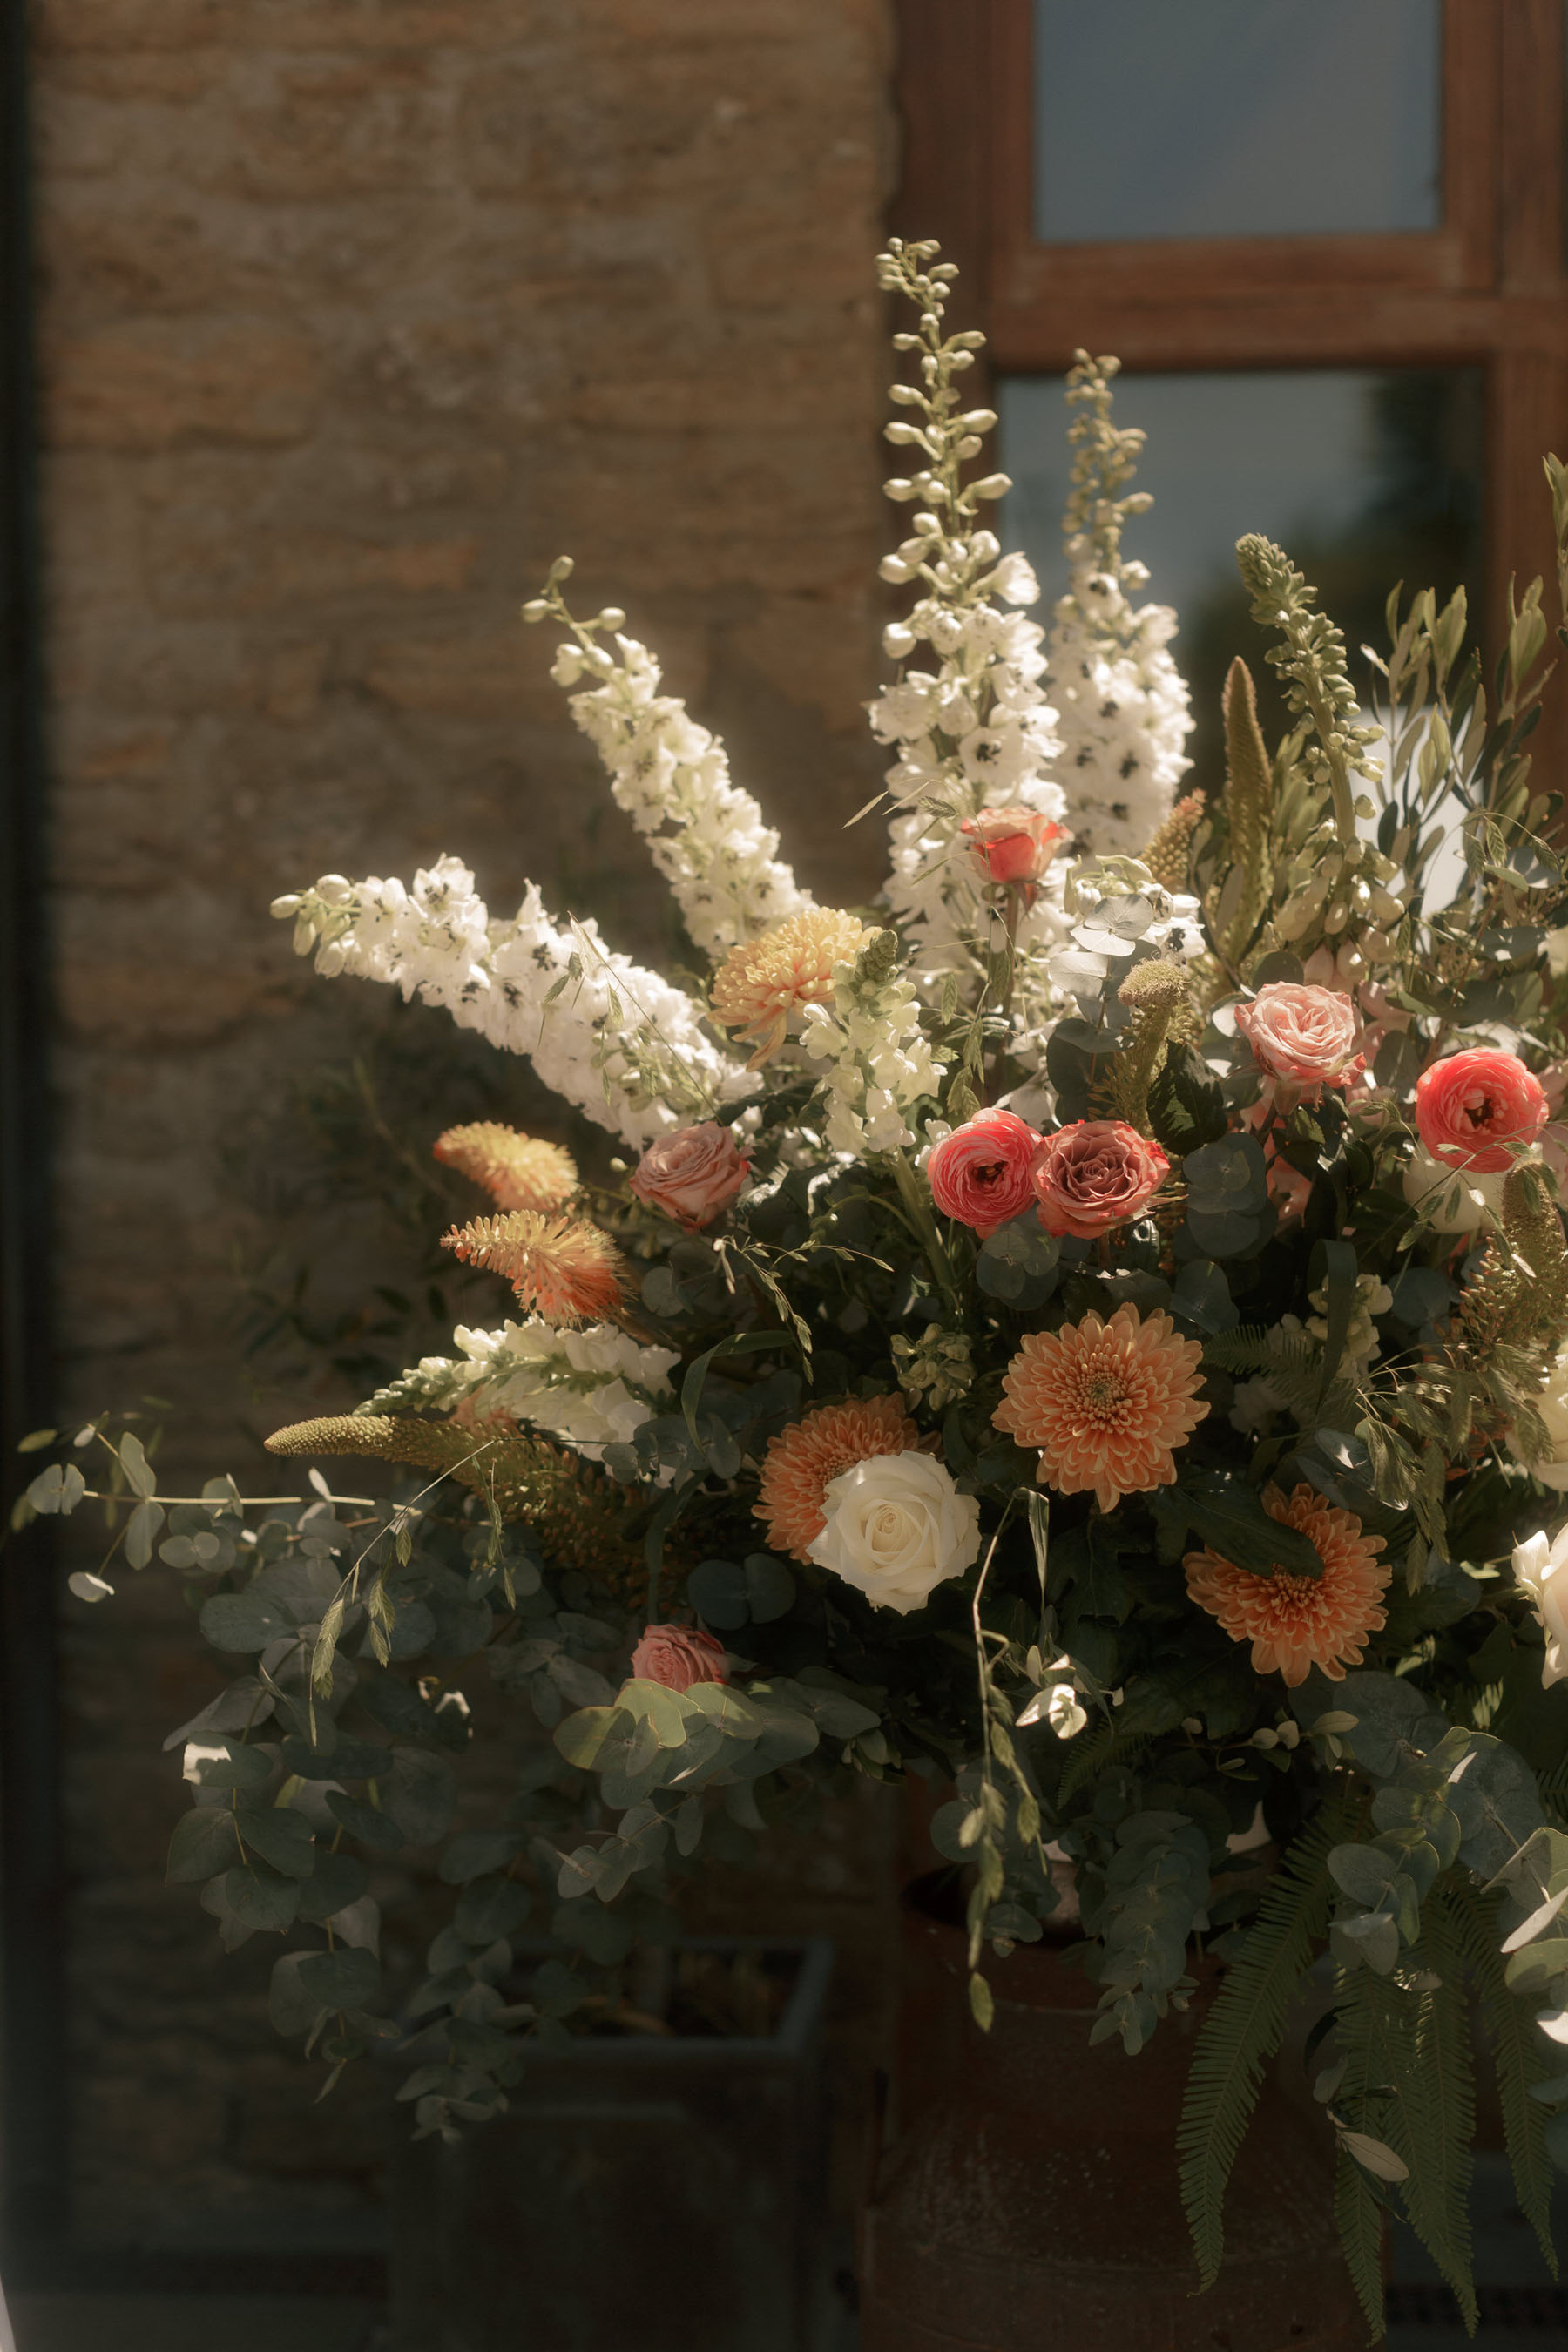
(880, 1065)
(613, 1038)
(706, 836)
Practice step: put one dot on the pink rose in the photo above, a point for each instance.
(677, 1656)
(981, 1172)
(1304, 1034)
(1013, 845)
(1096, 1174)
(692, 1175)
(1470, 1108)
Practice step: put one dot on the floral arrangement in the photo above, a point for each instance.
(1090, 1330)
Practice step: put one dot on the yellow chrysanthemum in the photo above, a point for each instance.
(518, 1171)
(1296, 1623)
(761, 982)
(560, 1267)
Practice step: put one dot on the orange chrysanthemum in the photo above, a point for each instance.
(1296, 1623)
(560, 1267)
(802, 1461)
(518, 1171)
(761, 982)
(1105, 1403)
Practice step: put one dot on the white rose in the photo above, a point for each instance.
(1541, 1567)
(896, 1527)
(1552, 1407)
(1451, 1200)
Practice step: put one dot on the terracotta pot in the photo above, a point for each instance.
(1030, 2197)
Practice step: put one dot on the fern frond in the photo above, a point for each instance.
(1508, 2031)
(1444, 2088)
(1244, 2028)
(1359, 2212)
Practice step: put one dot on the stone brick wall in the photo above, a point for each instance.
(355, 313)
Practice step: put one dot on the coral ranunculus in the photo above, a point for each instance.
(1470, 1108)
(1013, 845)
(982, 1172)
(679, 1655)
(1105, 1403)
(1296, 1623)
(802, 1461)
(692, 1175)
(1307, 1035)
(1094, 1174)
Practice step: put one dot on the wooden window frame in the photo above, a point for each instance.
(1487, 289)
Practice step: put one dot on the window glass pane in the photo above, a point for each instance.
(1366, 476)
(1229, 118)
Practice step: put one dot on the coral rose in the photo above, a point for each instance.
(692, 1175)
(1296, 1623)
(1307, 1035)
(1013, 845)
(1095, 1174)
(1472, 1107)
(981, 1173)
(679, 1655)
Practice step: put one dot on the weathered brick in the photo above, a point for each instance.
(356, 313)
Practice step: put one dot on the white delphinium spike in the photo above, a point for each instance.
(706, 836)
(974, 731)
(613, 1038)
(882, 1066)
(1123, 703)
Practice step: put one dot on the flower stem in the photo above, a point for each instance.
(917, 1202)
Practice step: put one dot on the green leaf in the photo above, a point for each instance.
(982, 2005)
(419, 1792)
(476, 1853)
(367, 1822)
(203, 1845)
(139, 1530)
(290, 2008)
(769, 1588)
(1359, 2212)
(242, 1622)
(717, 1591)
(35, 1441)
(734, 1343)
(338, 1880)
(261, 1897)
(582, 1736)
(1186, 1105)
(226, 1764)
(1231, 1520)
(491, 1909)
(1341, 1269)
(650, 1702)
(280, 1836)
(1019, 1264)
(56, 1490)
(138, 1472)
(1243, 2031)
(340, 1980)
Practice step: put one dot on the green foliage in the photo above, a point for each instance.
(1242, 2029)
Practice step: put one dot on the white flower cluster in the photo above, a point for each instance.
(1124, 706)
(1123, 703)
(882, 1065)
(611, 1036)
(594, 1388)
(706, 838)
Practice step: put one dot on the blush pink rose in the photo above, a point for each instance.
(1470, 1108)
(1013, 845)
(677, 1656)
(692, 1175)
(981, 1172)
(1095, 1174)
(1304, 1034)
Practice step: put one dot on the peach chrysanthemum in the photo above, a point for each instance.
(518, 1171)
(803, 1460)
(560, 1267)
(1296, 1623)
(761, 982)
(1105, 1403)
